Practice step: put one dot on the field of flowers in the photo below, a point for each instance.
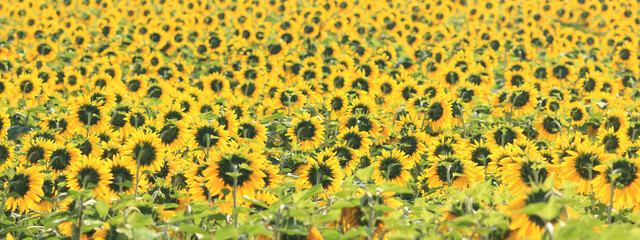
(319, 119)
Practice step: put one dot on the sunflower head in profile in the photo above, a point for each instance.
(306, 131)
(146, 149)
(235, 165)
(392, 166)
(89, 173)
(24, 189)
(323, 171)
(625, 175)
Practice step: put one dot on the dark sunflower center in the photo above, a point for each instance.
(454, 165)
(590, 85)
(247, 130)
(551, 125)
(585, 162)
(504, 136)
(154, 91)
(169, 133)
(118, 119)
(44, 49)
(353, 140)
(480, 155)
(361, 84)
(443, 150)
(337, 104)
(120, 175)
(408, 145)
(391, 168)
(173, 116)
(408, 91)
(207, 134)
(248, 88)
(611, 143)
(48, 188)
(206, 108)
(386, 88)
(4, 154)
(627, 169)
(60, 159)
(26, 86)
(238, 111)
(520, 99)
(108, 153)
(85, 147)
(35, 154)
(452, 78)
(625, 54)
(88, 177)
(321, 174)
(89, 114)
(577, 114)
(614, 122)
(133, 85)
(19, 184)
(517, 80)
(305, 130)
(363, 123)
(227, 165)
(145, 153)
(72, 80)
(360, 109)
(344, 156)
(288, 98)
(560, 72)
(530, 175)
(436, 111)
(536, 196)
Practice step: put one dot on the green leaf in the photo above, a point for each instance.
(390, 187)
(365, 173)
(183, 227)
(315, 190)
(102, 208)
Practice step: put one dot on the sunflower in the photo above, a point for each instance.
(392, 166)
(355, 139)
(24, 189)
(87, 113)
(613, 142)
(244, 161)
(89, 173)
(250, 130)
(503, 135)
(306, 131)
(549, 127)
(521, 174)
(7, 155)
(62, 156)
(451, 171)
(172, 135)
(625, 186)
(36, 151)
(616, 119)
(172, 112)
(88, 145)
(580, 165)
(145, 149)
(28, 86)
(577, 114)
(528, 226)
(123, 171)
(438, 113)
(412, 144)
(324, 171)
(522, 100)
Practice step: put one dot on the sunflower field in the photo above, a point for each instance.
(319, 119)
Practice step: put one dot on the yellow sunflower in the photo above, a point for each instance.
(89, 173)
(306, 131)
(392, 166)
(243, 161)
(24, 189)
(324, 171)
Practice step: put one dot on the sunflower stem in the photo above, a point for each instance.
(449, 175)
(135, 195)
(4, 199)
(614, 175)
(235, 195)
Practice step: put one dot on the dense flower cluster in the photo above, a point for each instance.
(239, 104)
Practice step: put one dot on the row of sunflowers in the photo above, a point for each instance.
(322, 119)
